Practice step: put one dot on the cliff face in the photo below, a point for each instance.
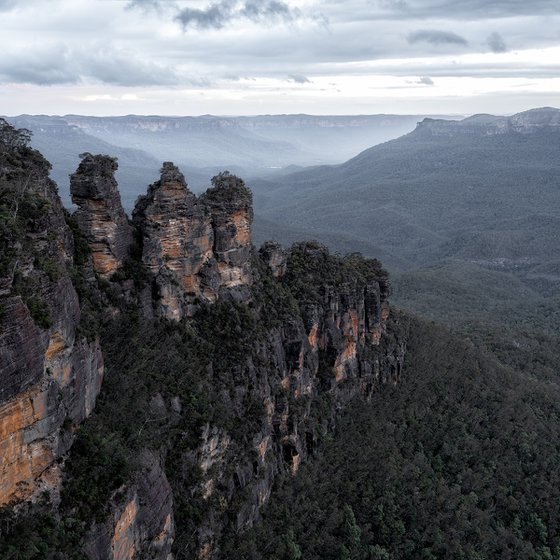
(100, 215)
(141, 525)
(49, 374)
(230, 205)
(209, 409)
(527, 122)
(195, 249)
(305, 369)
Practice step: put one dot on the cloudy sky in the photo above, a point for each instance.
(191, 57)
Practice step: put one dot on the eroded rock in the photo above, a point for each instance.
(100, 214)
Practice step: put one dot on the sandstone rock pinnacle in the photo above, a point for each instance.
(100, 214)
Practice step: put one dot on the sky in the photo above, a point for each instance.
(248, 57)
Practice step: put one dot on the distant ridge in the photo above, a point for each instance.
(525, 122)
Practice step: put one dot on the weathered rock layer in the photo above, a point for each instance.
(100, 214)
(50, 376)
(195, 248)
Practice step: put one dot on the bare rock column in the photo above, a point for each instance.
(231, 205)
(100, 214)
(177, 239)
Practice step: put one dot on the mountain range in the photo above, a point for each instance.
(169, 390)
(205, 145)
(468, 201)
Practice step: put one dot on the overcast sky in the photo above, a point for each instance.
(191, 57)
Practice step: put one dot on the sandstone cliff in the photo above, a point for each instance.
(200, 415)
(100, 215)
(50, 375)
(195, 248)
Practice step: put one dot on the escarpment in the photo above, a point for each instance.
(50, 374)
(233, 377)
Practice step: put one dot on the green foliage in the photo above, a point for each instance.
(50, 267)
(40, 536)
(311, 267)
(39, 311)
(99, 465)
(12, 138)
(82, 250)
(457, 461)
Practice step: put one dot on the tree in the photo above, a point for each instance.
(12, 138)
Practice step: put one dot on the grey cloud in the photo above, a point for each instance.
(459, 9)
(425, 80)
(47, 67)
(268, 9)
(436, 37)
(143, 4)
(298, 79)
(6, 5)
(399, 5)
(119, 69)
(60, 65)
(219, 14)
(496, 43)
(214, 16)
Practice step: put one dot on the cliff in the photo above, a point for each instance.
(100, 214)
(195, 249)
(527, 122)
(225, 367)
(50, 375)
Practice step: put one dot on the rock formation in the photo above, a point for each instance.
(316, 325)
(177, 239)
(49, 375)
(142, 525)
(195, 248)
(230, 204)
(100, 215)
(275, 257)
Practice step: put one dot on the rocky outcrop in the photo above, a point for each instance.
(49, 375)
(177, 238)
(100, 214)
(314, 364)
(275, 257)
(141, 523)
(195, 248)
(230, 204)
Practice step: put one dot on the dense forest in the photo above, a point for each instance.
(459, 460)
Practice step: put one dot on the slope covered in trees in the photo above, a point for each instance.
(459, 460)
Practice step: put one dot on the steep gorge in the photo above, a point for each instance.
(224, 366)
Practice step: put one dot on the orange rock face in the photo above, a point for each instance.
(24, 455)
(194, 248)
(124, 538)
(345, 359)
(60, 378)
(100, 214)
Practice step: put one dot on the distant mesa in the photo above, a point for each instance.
(526, 122)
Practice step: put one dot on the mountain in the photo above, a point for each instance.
(158, 375)
(483, 190)
(168, 389)
(203, 146)
(451, 200)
